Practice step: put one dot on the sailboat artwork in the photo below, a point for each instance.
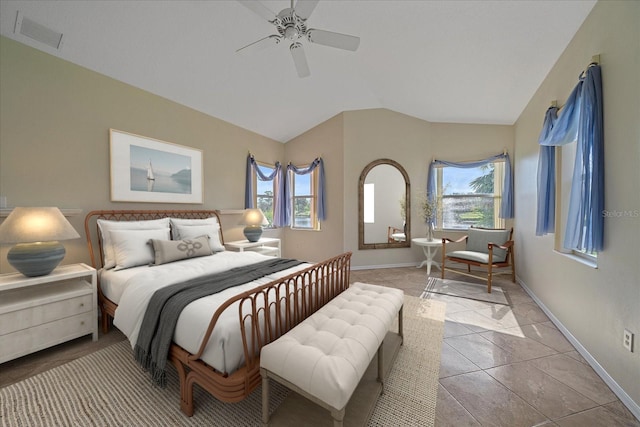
(149, 170)
(150, 175)
(158, 171)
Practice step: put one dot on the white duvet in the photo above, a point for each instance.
(132, 289)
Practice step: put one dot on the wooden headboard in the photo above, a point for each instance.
(94, 240)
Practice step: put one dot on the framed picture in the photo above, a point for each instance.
(148, 170)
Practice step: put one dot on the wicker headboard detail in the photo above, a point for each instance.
(91, 224)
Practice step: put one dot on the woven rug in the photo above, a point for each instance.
(475, 291)
(107, 388)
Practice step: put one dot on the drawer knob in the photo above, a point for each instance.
(82, 323)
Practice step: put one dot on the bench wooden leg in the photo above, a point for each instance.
(338, 417)
(265, 398)
(381, 366)
(400, 325)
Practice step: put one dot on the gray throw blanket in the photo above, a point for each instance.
(166, 304)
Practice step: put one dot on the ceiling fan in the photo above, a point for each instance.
(291, 25)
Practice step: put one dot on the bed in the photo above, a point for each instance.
(217, 339)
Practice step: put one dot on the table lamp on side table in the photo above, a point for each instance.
(36, 232)
(253, 219)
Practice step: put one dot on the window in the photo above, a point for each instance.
(264, 193)
(565, 161)
(304, 201)
(469, 196)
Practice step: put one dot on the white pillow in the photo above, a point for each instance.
(132, 247)
(191, 221)
(212, 231)
(106, 226)
(179, 222)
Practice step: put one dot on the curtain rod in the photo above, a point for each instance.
(595, 60)
(504, 153)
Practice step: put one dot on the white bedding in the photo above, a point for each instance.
(132, 289)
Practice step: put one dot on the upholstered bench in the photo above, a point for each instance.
(324, 357)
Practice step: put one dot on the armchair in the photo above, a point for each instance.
(487, 249)
(395, 234)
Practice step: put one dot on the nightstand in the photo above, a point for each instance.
(40, 312)
(266, 245)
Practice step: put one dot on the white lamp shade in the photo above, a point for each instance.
(28, 225)
(254, 217)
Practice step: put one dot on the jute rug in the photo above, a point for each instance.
(474, 291)
(107, 388)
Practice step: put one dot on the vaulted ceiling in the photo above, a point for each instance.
(441, 61)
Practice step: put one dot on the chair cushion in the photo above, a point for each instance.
(479, 239)
(480, 257)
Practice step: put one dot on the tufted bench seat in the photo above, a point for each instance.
(325, 356)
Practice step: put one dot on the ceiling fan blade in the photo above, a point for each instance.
(259, 9)
(260, 44)
(304, 8)
(300, 60)
(328, 38)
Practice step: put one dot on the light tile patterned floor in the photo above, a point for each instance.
(508, 365)
(500, 365)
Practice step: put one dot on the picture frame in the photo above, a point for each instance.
(152, 171)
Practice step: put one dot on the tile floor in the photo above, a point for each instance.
(508, 365)
(500, 366)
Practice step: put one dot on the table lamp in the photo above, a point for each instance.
(36, 232)
(253, 219)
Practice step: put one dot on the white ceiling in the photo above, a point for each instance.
(441, 61)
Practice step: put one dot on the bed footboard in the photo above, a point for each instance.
(265, 313)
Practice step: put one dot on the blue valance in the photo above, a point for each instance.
(506, 207)
(581, 120)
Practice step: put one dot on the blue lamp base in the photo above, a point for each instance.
(36, 259)
(253, 233)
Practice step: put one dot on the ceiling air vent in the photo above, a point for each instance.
(38, 32)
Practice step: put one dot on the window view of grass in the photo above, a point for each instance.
(468, 197)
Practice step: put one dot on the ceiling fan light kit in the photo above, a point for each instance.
(291, 25)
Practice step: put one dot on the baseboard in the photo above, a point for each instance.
(615, 387)
(371, 267)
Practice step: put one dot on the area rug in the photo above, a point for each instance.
(107, 388)
(475, 291)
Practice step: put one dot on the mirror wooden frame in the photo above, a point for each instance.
(363, 177)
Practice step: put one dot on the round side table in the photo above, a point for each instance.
(429, 247)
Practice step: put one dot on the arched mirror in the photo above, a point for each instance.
(384, 219)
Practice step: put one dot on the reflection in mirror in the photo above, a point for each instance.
(384, 206)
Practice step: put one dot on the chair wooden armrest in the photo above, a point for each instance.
(446, 239)
(505, 245)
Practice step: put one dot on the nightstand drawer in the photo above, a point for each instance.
(26, 341)
(28, 317)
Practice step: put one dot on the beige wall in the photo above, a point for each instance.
(54, 139)
(594, 305)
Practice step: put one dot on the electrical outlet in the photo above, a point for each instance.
(627, 340)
